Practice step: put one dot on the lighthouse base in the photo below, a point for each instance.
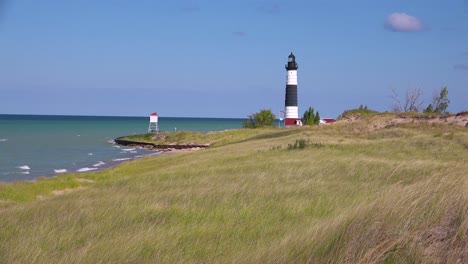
(292, 122)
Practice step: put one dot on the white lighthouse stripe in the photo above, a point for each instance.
(292, 112)
(291, 77)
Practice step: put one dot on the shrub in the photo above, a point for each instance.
(299, 144)
(264, 118)
(439, 103)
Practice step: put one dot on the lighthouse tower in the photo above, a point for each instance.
(291, 110)
(153, 125)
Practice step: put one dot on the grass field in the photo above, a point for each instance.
(351, 195)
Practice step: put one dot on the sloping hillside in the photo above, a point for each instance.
(350, 192)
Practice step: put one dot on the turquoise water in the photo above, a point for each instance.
(34, 146)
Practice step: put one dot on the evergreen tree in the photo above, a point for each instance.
(308, 117)
(429, 109)
(311, 118)
(440, 102)
(317, 118)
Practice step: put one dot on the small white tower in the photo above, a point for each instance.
(153, 125)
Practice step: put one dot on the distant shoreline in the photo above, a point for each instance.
(160, 147)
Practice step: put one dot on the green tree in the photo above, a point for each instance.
(317, 118)
(249, 122)
(429, 109)
(264, 118)
(440, 102)
(309, 118)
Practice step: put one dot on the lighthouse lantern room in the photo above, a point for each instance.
(291, 109)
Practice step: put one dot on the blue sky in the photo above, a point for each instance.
(226, 58)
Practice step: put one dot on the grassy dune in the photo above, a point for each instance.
(352, 195)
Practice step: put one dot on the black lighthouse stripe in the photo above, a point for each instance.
(291, 95)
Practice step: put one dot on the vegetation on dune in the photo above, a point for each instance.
(263, 118)
(413, 102)
(189, 137)
(439, 103)
(309, 118)
(398, 194)
(358, 112)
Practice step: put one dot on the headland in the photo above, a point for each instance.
(353, 191)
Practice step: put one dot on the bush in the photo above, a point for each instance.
(264, 118)
(439, 103)
(358, 112)
(299, 144)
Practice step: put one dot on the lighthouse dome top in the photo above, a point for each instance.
(292, 65)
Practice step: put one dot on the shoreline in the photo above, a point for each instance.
(160, 147)
(167, 149)
(106, 166)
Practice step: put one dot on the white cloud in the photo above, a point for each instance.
(402, 22)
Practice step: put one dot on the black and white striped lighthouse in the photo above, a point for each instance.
(291, 110)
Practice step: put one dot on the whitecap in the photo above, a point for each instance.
(78, 135)
(3, 139)
(86, 169)
(60, 171)
(100, 163)
(24, 167)
(25, 172)
(90, 154)
(129, 149)
(122, 159)
(116, 146)
(133, 152)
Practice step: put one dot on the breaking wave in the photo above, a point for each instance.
(122, 159)
(128, 149)
(86, 169)
(100, 163)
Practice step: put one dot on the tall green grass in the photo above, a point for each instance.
(396, 195)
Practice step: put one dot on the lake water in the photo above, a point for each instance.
(32, 145)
